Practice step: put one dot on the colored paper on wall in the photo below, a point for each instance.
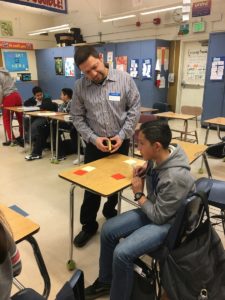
(58, 65)
(121, 63)
(146, 68)
(16, 61)
(201, 8)
(69, 66)
(134, 66)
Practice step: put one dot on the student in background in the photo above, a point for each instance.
(105, 109)
(134, 233)
(39, 125)
(10, 264)
(66, 97)
(9, 96)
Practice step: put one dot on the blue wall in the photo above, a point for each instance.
(25, 88)
(52, 84)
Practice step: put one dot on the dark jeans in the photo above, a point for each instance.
(40, 131)
(91, 202)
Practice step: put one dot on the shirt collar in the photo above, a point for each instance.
(110, 77)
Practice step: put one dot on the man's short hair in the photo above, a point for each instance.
(82, 54)
(67, 92)
(157, 131)
(36, 90)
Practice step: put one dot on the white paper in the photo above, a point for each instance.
(130, 162)
(88, 168)
(47, 114)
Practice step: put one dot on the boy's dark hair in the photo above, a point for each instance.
(82, 53)
(157, 131)
(67, 92)
(36, 90)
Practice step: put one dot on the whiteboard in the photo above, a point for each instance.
(194, 68)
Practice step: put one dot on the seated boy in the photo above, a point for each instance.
(66, 97)
(143, 230)
(39, 125)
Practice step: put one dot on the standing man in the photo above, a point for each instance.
(105, 111)
(9, 96)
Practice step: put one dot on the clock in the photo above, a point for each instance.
(177, 15)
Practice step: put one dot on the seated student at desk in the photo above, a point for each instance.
(66, 97)
(10, 264)
(143, 230)
(39, 125)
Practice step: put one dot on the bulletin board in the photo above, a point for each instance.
(194, 69)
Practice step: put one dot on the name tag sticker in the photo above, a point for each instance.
(114, 96)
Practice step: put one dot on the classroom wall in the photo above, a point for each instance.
(53, 83)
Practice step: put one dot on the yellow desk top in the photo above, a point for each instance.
(147, 109)
(100, 179)
(172, 115)
(193, 151)
(216, 121)
(21, 227)
(44, 113)
(59, 117)
(22, 109)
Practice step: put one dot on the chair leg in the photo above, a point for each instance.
(196, 136)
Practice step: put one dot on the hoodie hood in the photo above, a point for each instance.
(176, 159)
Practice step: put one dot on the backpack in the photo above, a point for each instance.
(195, 269)
(217, 150)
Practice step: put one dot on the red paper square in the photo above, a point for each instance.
(118, 176)
(80, 172)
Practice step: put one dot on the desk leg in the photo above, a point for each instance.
(185, 130)
(71, 263)
(51, 138)
(205, 143)
(57, 141)
(41, 266)
(24, 141)
(30, 142)
(119, 203)
(204, 158)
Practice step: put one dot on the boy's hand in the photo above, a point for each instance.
(137, 184)
(140, 170)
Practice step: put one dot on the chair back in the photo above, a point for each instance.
(191, 110)
(187, 219)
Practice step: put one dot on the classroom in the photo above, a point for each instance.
(155, 61)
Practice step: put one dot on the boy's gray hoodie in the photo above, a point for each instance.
(7, 84)
(167, 184)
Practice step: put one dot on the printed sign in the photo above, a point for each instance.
(15, 45)
(16, 61)
(201, 8)
(59, 6)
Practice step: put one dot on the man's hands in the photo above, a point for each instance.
(108, 145)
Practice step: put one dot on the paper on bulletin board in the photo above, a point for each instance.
(217, 68)
(146, 68)
(69, 66)
(58, 65)
(121, 63)
(110, 59)
(134, 66)
(162, 58)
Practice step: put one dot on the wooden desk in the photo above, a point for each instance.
(24, 229)
(147, 110)
(20, 109)
(184, 117)
(215, 121)
(99, 181)
(193, 152)
(43, 114)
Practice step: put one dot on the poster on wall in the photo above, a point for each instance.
(69, 66)
(146, 68)
(121, 63)
(59, 6)
(58, 65)
(163, 58)
(110, 59)
(6, 28)
(217, 68)
(201, 8)
(134, 66)
(16, 61)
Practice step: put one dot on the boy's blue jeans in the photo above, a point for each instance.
(140, 236)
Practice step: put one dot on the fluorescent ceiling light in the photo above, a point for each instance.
(118, 18)
(160, 10)
(50, 29)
